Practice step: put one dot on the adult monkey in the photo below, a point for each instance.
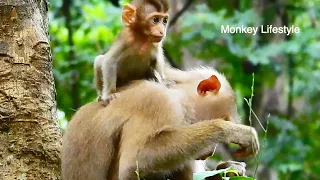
(156, 127)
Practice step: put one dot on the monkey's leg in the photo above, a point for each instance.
(172, 147)
(98, 73)
(109, 72)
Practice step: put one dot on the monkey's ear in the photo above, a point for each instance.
(211, 84)
(129, 15)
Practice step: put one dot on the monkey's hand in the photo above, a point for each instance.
(109, 98)
(247, 138)
(240, 167)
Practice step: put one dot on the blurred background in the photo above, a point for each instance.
(286, 68)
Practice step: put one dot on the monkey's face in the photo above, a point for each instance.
(157, 23)
(148, 20)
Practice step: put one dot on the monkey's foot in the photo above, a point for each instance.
(109, 98)
(99, 98)
(169, 83)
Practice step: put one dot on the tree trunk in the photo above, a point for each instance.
(30, 138)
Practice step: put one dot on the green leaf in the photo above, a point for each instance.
(203, 175)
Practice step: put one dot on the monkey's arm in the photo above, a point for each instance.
(170, 146)
(160, 70)
(98, 73)
(109, 70)
(160, 66)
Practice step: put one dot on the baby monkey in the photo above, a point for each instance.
(137, 51)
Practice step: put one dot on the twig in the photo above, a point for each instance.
(255, 115)
(137, 170)
(169, 58)
(172, 22)
(179, 13)
(214, 150)
(249, 102)
(115, 3)
(262, 147)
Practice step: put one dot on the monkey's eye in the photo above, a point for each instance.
(165, 20)
(156, 20)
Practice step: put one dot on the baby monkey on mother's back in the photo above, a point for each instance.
(137, 51)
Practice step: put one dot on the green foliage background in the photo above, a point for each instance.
(292, 144)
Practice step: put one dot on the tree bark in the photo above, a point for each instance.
(30, 138)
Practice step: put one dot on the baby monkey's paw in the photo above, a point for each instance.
(239, 167)
(109, 98)
(169, 83)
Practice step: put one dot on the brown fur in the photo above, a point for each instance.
(149, 124)
(160, 5)
(137, 51)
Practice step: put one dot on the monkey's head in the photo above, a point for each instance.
(212, 95)
(216, 99)
(149, 18)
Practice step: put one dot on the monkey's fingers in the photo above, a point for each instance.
(249, 143)
(243, 152)
(110, 98)
(205, 156)
(106, 102)
(239, 167)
